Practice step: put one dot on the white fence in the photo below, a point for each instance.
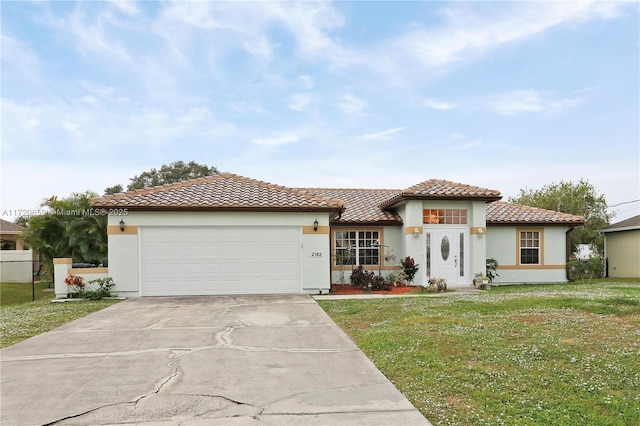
(16, 266)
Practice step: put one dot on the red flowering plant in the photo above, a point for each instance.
(76, 282)
(410, 268)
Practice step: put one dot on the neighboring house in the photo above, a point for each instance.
(11, 233)
(16, 264)
(622, 248)
(227, 234)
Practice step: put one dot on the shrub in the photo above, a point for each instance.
(396, 279)
(379, 283)
(76, 283)
(365, 279)
(590, 268)
(359, 277)
(492, 268)
(104, 289)
(410, 268)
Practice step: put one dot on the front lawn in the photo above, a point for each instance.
(20, 318)
(16, 293)
(561, 354)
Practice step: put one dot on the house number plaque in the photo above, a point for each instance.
(316, 254)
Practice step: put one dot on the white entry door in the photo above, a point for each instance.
(448, 249)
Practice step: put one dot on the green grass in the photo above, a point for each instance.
(560, 354)
(21, 319)
(16, 293)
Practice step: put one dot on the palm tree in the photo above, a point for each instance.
(69, 229)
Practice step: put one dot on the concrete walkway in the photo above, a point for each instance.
(219, 360)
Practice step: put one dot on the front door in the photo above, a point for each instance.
(448, 250)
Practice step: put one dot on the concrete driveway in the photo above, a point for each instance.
(218, 360)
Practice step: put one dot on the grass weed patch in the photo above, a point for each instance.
(20, 322)
(519, 355)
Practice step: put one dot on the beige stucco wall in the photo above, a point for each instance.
(124, 248)
(62, 268)
(623, 252)
(502, 245)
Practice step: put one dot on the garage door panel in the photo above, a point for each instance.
(216, 260)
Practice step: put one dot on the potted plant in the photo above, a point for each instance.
(492, 268)
(478, 279)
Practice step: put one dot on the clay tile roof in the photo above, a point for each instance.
(625, 225)
(502, 213)
(222, 191)
(10, 227)
(361, 206)
(434, 189)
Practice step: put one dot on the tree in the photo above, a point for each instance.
(579, 198)
(174, 172)
(70, 228)
(115, 189)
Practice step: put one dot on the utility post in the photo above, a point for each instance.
(379, 256)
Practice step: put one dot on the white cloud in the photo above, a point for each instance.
(439, 105)
(245, 107)
(306, 81)
(259, 47)
(513, 102)
(384, 135)
(310, 23)
(299, 101)
(352, 105)
(129, 8)
(528, 101)
(95, 35)
(466, 35)
(18, 55)
(277, 139)
(95, 89)
(100, 126)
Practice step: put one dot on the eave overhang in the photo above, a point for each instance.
(406, 197)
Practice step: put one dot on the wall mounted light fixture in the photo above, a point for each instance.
(121, 225)
(315, 225)
(416, 232)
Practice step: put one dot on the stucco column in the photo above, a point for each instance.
(60, 271)
(415, 243)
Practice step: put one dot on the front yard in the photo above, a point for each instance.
(20, 318)
(561, 354)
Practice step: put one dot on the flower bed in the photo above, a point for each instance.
(349, 289)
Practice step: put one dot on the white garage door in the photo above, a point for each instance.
(219, 260)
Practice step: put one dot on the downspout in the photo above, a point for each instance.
(567, 245)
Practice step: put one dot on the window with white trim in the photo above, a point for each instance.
(529, 247)
(356, 248)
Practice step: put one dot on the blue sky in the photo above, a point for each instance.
(504, 95)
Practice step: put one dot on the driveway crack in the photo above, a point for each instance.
(175, 354)
(84, 413)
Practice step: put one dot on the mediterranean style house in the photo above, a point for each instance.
(227, 234)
